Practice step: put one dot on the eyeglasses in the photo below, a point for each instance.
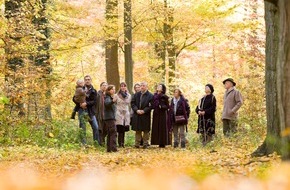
(87, 79)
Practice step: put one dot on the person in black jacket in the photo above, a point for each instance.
(206, 115)
(141, 121)
(110, 118)
(179, 107)
(88, 108)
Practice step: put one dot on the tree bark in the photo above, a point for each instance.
(41, 59)
(272, 142)
(128, 44)
(283, 75)
(111, 42)
(170, 46)
(14, 12)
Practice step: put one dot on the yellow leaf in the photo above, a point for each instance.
(50, 135)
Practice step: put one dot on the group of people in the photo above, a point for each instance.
(111, 114)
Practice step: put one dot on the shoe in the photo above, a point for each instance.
(73, 115)
(161, 146)
(137, 146)
(145, 146)
(182, 144)
(175, 145)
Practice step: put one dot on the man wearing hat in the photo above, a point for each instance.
(232, 103)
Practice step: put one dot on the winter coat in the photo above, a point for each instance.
(182, 108)
(123, 110)
(160, 127)
(110, 108)
(80, 95)
(207, 122)
(142, 122)
(232, 102)
(91, 100)
(100, 109)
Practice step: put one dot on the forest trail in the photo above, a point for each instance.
(227, 159)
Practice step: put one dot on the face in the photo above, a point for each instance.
(228, 85)
(137, 88)
(88, 81)
(176, 94)
(143, 87)
(112, 91)
(207, 90)
(104, 87)
(159, 88)
(123, 88)
(81, 83)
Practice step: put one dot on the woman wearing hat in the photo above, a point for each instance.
(206, 114)
(232, 103)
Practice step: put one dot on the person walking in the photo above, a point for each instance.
(206, 115)
(179, 115)
(123, 113)
(160, 127)
(110, 118)
(232, 103)
(141, 122)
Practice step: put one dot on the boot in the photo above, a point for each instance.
(73, 115)
(182, 144)
(175, 145)
(119, 139)
(123, 140)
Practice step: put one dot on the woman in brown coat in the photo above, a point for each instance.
(160, 129)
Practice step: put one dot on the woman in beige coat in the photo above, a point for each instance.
(123, 113)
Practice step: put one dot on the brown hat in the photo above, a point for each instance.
(231, 80)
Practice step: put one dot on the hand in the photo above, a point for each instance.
(201, 112)
(140, 112)
(114, 98)
(83, 105)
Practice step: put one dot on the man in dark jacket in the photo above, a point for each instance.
(88, 108)
(141, 122)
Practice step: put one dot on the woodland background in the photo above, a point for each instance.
(46, 45)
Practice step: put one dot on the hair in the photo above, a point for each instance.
(110, 87)
(179, 91)
(79, 81)
(163, 88)
(88, 76)
(102, 83)
(137, 84)
(122, 84)
(144, 83)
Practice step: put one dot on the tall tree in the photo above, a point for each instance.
(15, 13)
(41, 58)
(283, 74)
(170, 46)
(128, 43)
(272, 142)
(111, 42)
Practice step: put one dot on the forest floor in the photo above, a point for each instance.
(216, 166)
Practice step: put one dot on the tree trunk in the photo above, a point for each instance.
(14, 12)
(283, 75)
(272, 142)
(128, 44)
(41, 60)
(112, 68)
(170, 46)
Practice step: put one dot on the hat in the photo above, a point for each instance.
(210, 87)
(231, 80)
